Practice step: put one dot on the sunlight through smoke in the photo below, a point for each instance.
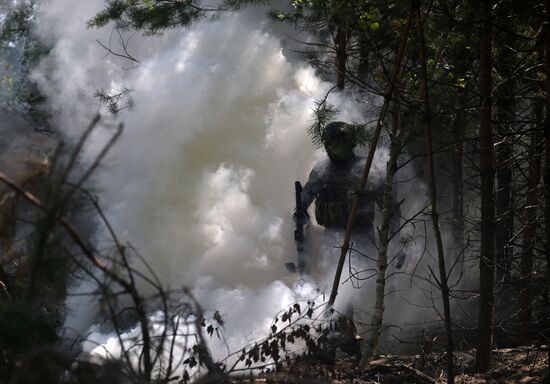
(202, 179)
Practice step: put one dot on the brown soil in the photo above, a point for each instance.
(511, 365)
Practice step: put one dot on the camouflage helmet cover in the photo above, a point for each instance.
(339, 139)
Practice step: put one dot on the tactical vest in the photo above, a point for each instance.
(333, 205)
(334, 202)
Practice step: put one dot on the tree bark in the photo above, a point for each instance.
(505, 218)
(547, 145)
(364, 50)
(530, 226)
(487, 173)
(504, 112)
(369, 347)
(443, 285)
(546, 39)
(459, 129)
(341, 54)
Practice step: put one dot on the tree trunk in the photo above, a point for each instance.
(443, 285)
(459, 130)
(504, 113)
(530, 226)
(487, 173)
(341, 55)
(505, 219)
(369, 347)
(546, 39)
(364, 50)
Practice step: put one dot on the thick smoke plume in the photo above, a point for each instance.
(201, 182)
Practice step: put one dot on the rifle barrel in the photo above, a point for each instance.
(298, 189)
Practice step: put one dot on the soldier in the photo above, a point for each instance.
(333, 183)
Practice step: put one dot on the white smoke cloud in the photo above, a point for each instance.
(202, 179)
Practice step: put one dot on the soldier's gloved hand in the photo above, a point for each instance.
(300, 217)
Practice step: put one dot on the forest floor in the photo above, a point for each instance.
(510, 365)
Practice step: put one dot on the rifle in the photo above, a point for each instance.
(301, 219)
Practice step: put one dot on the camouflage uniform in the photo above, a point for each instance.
(333, 184)
(333, 187)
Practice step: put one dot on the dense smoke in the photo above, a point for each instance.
(201, 181)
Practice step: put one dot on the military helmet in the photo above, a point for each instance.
(339, 140)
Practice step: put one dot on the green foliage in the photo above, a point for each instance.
(310, 13)
(370, 18)
(151, 17)
(22, 327)
(19, 52)
(14, 25)
(362, 133)
(14, 22)
(325, 113)
(154, 16)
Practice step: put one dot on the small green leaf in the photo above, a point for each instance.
(374, 26)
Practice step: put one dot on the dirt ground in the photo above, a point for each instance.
(511, 365)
